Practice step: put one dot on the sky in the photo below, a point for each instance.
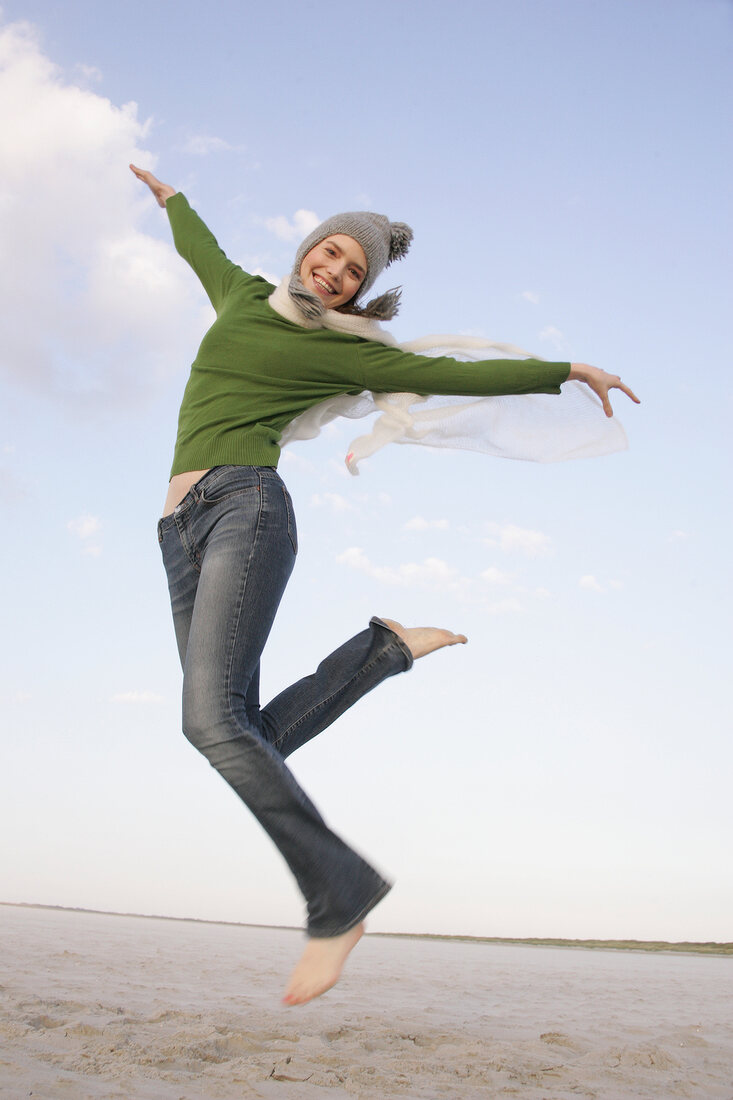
(566, 168)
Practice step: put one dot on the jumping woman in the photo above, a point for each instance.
(228, 534)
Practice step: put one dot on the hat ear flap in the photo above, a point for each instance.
(400, 237)
(310, 304)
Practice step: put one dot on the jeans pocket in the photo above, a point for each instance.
(163, 524)
(228, 481)
(292, 527)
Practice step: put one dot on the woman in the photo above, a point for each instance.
(229, 541)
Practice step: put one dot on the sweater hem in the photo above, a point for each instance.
(245, 453)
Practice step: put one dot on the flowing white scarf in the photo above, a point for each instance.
(536, 427)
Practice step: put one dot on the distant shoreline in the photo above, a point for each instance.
(683, 947)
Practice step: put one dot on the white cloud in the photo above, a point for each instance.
(418, 523)
(514, 539)
(553, 336)
(84, 526)
(508, 606)
(431, 573)
(496, 576)
(303, 223)
(200, 145)
(112, 309)
(592, 584)
(678, 536)
(17, 698)
(530, 296)
(296, 461)
(137, 697)
(88, 72)
(332, 500)
(338, 469)
(274, 279)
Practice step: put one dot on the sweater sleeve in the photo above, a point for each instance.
(390, 370)
(198, 246)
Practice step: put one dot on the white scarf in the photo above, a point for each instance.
(535, 427)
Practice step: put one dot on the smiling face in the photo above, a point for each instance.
(334, 269)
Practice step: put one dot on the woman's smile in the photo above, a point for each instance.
(335, 269)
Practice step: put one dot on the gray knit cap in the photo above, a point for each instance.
(382, 240)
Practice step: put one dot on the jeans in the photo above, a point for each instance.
(228, 549)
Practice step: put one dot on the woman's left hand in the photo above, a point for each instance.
(600, 382)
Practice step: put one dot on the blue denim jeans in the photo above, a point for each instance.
(228, 549)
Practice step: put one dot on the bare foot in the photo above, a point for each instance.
(320, 966)
(424, 639)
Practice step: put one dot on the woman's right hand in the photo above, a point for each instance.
(162, 191)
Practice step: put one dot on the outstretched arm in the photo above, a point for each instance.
(193, 241)
(162, 191)
(600, 382)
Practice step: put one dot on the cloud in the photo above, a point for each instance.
(430, 573)
(678, 536)
(296, 461)
(17, 698)
(136, 697)
(88, 72)
(508, 606)
(200, 145)
(496, 576)
(437, 575)
(553, 336)
(84, 526)
(332, 500)
(274, 279)
(592, 584)
(513, 539)
(530, 296)
(93, 306)
(303, 223)
(417, 523)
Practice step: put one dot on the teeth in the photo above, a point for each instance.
(326, 286)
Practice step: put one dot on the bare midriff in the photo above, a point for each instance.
(178, 486)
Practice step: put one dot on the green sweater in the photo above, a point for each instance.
(255, 371)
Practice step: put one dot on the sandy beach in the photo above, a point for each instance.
(103, 1006)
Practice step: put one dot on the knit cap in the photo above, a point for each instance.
(382, 241)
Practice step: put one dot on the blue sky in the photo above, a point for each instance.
(565, 166)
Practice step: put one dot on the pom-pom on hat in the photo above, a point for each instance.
(382, 240)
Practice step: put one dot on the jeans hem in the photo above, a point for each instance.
(402, 645)
(348, 925)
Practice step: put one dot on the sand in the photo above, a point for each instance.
(102, 1006)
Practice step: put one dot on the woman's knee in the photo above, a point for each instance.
(210, 728)
(203, 725)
